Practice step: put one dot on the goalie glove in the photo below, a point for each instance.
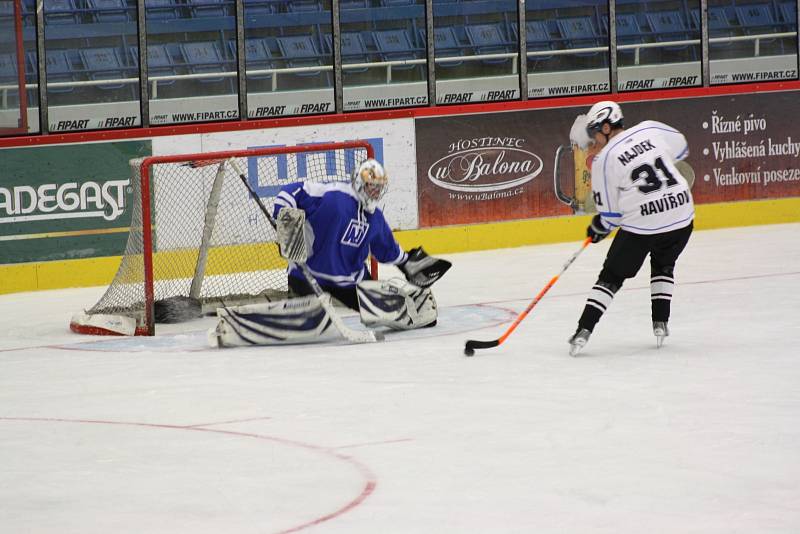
(578, 134)
(423, 270)
(290, 226)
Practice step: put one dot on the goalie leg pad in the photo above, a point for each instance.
(395, 303)
(300, 320)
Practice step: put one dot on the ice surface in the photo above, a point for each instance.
(167, 435)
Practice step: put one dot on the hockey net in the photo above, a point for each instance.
(196, 232)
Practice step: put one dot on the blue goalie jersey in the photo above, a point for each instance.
(343, 234)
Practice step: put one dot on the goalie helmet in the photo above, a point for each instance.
(601, 113)
(369, 183)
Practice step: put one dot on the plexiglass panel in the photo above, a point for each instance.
(289, 58)
(658, 44)
(92, 77)
(567, 44)
(754, 41)
(383, 54)
(191, 61)
(18, 76)
(477, 56)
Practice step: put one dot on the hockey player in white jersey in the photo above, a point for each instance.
(638, 190)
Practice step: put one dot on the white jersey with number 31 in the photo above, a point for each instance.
(635, 183)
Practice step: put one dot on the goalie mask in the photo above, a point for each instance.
(369, 183)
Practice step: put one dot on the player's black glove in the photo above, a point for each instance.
(596, 230)
(423, 270)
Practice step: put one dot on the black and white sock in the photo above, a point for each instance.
(661, 287)
(597, 303)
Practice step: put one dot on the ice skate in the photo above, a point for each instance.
(661, 331)
(578, 340)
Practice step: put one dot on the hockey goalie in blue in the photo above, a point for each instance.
(328, 230)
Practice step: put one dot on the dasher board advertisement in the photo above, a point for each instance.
(66, 202)
(392, 140)
(504, 166)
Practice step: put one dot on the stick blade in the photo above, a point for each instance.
(472, 344)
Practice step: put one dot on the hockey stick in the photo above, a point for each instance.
(471, 345)
(354, 336)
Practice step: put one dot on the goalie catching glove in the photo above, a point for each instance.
(423, 270)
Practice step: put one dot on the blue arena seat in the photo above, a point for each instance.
(719, 25)
(159, 62)
(8, 76)
(669, 26)
(257, 57)
(104, 64)
(258, 8)
(162, 9)
(203, 57)
(60, 12)
(537, 39)
(300, 51)
(756, 18)
(629, 31)
(395, 45)
(297, 6)
(60, 68)
(579, 32)
(353, 4)
(8, 68)
(6, 10)
(789, 15)
(110, 10)
(488, 39)
(353, 50)
(207, 8)
(446, 44)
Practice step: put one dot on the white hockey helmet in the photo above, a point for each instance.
(369, 183)
(601, 113)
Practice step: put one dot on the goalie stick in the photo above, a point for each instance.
(354, 336)
(471, 345)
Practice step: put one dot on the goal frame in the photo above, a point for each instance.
(147, 163)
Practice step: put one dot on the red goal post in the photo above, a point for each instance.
(195, 232)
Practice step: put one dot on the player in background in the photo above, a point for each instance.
(343, 226)
(637, 189)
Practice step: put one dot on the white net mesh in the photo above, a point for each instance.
(209, 237)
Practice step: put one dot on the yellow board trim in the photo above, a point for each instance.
(441, 240)
(452, 239)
